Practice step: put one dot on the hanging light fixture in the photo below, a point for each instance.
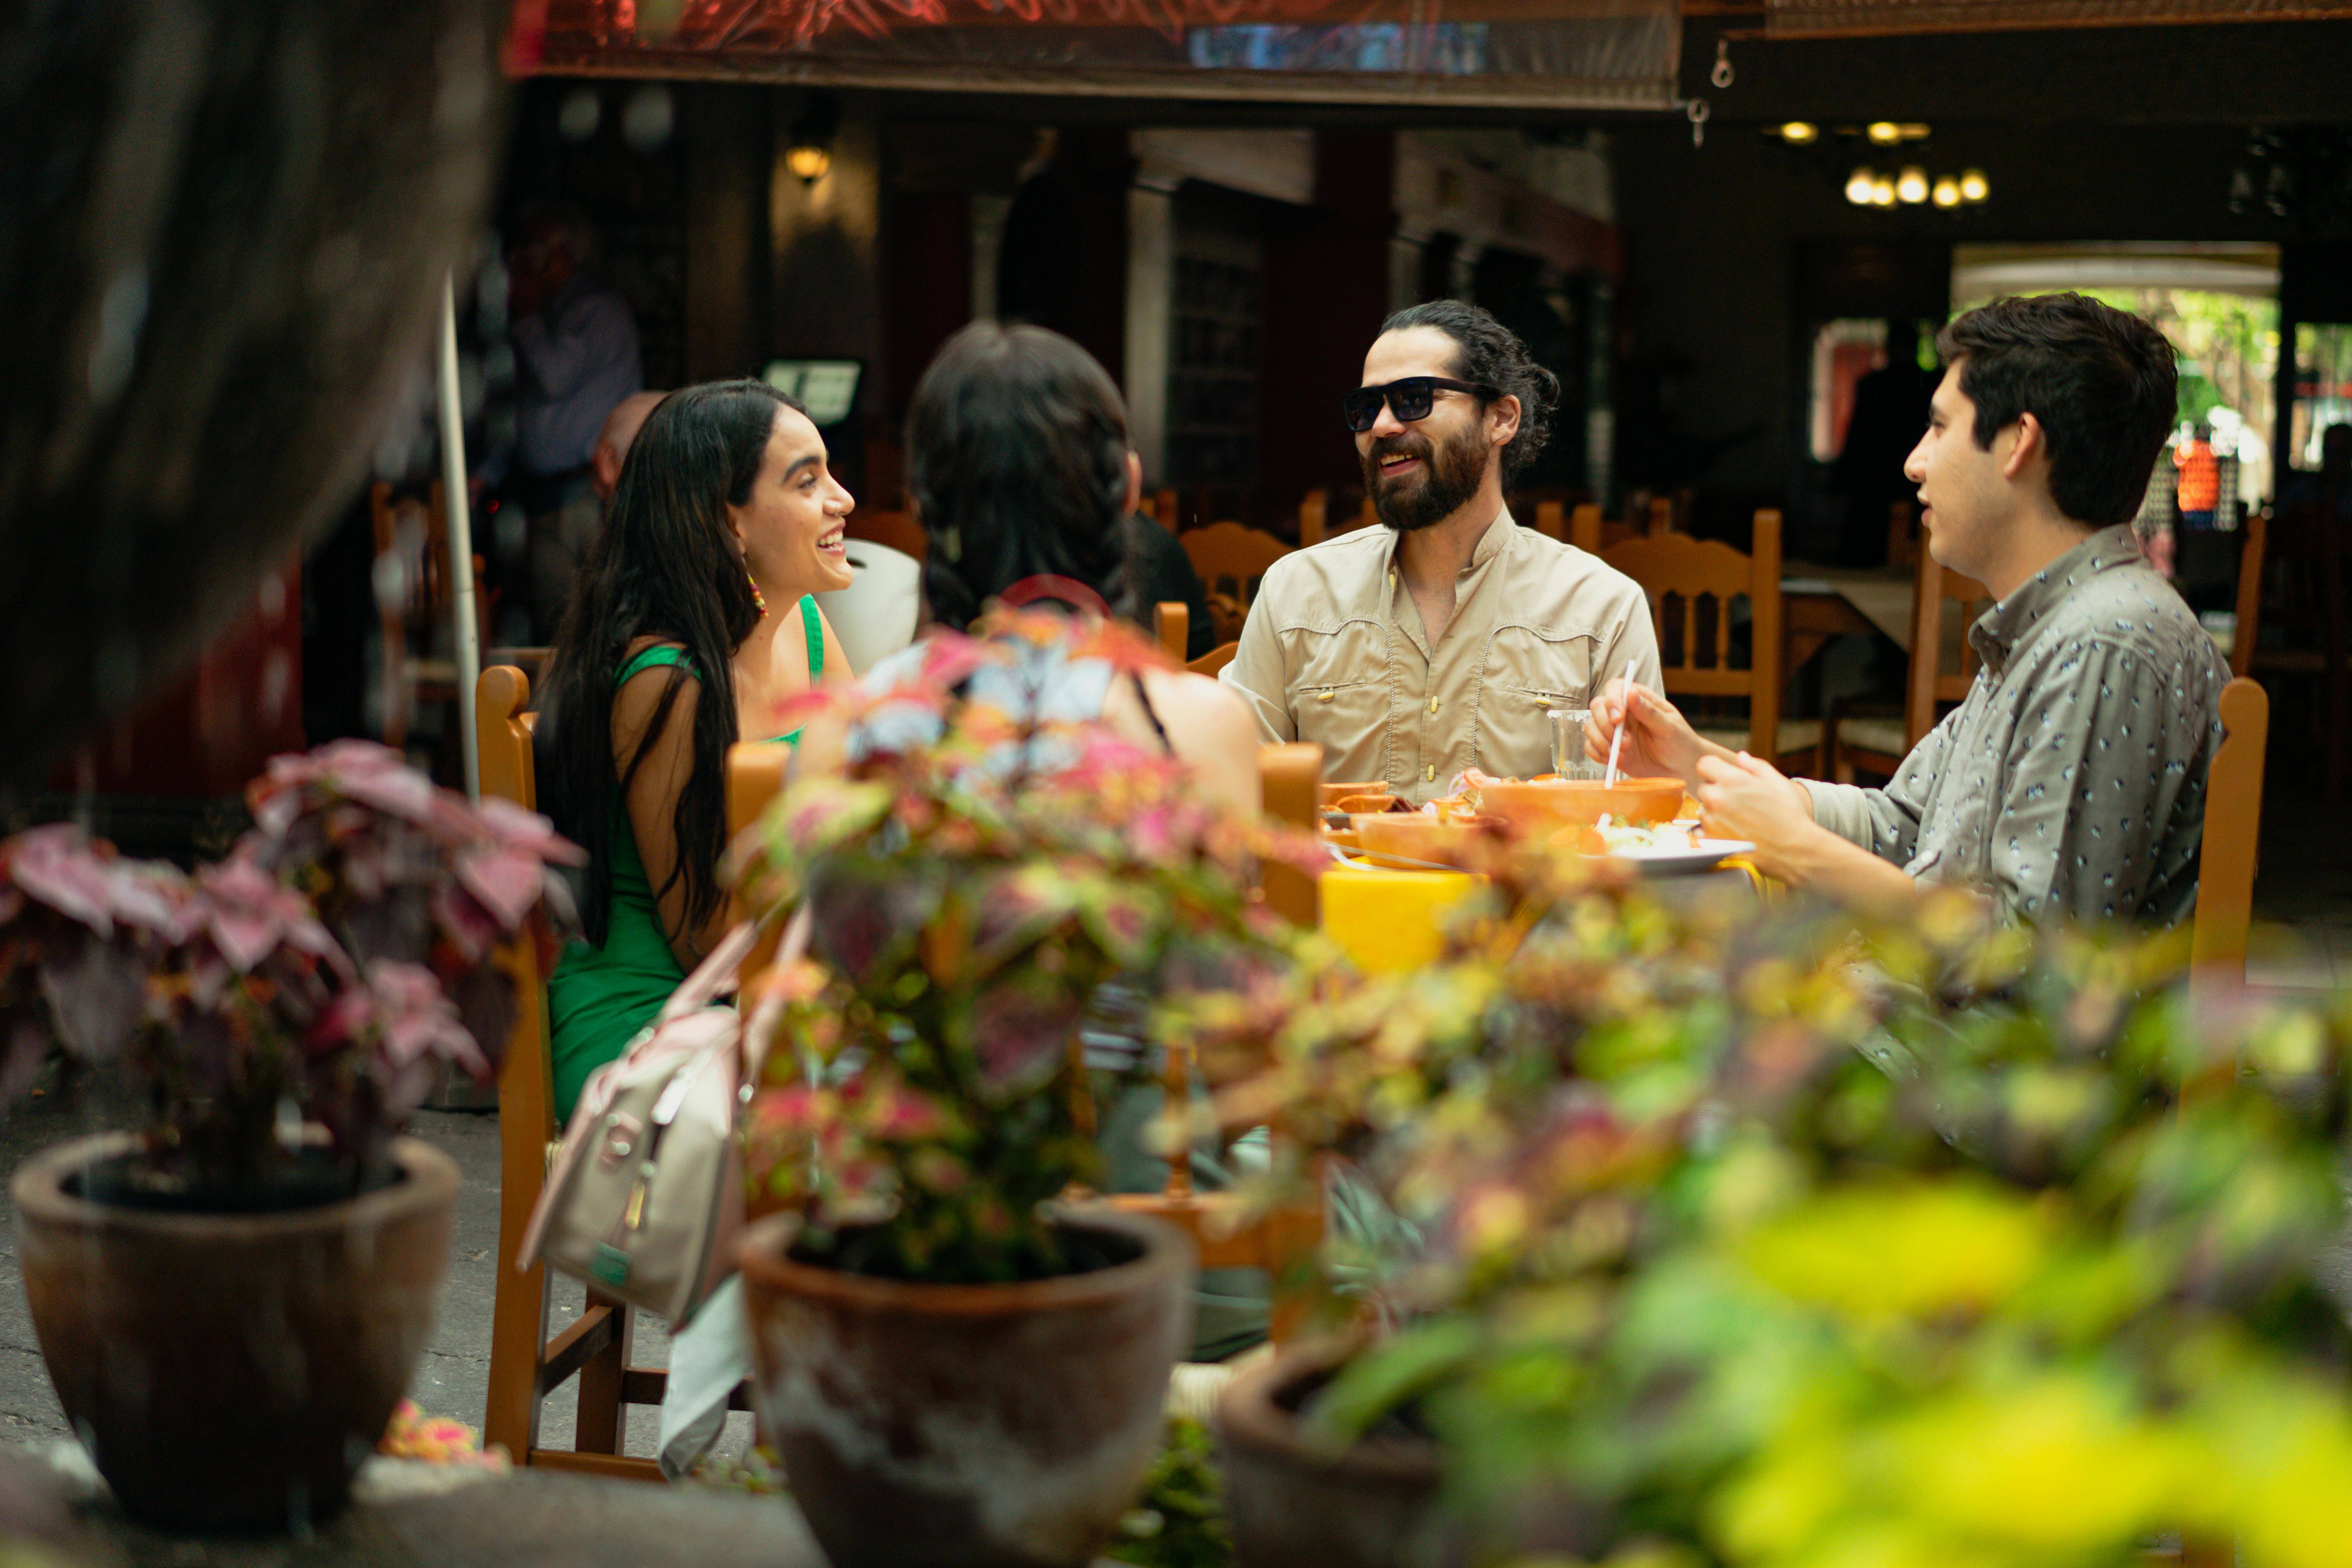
(1882, 191)
(1973, 187)
(1911, 185)
(1947, 192)
(1885, 132)
(809, 153)
(1858, 186)
(1801, 133)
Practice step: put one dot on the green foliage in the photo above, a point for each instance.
(1758, 1242)
(1181, 1522)
(974, 892)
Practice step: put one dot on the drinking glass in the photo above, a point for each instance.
(1567, 758)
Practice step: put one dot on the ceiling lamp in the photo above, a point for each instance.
(1801, 133)
(1885, 132)
(1858, 186)
(1947, 192)
(1882, 192)
(1911, 185)
(1973, 187)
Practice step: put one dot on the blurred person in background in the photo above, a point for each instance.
(560, 543)
(2199, 493)
(693, 619)
(1890, 409)
(576, 358)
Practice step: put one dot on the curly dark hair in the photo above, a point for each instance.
(2102, 383)
(1490, 353)
(1016, 463)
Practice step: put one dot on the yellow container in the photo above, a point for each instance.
(1386, 920)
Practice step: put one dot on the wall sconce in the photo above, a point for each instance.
(809, 153)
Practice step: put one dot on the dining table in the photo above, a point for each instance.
(1821, 602)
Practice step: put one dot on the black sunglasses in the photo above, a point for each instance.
(1412, 398)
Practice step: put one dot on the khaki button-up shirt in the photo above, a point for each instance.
(1334, 651)
(2072, 782)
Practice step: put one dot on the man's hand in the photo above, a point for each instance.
(1742, 798)
(1659, 741)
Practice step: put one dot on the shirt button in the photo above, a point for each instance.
(1433, 704)
(1432, 775)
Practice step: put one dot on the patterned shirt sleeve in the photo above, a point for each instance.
(2100, 761)
(1886, 820)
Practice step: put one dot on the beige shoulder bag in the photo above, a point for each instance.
(644, 1197)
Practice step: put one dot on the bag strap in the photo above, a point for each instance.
(714, 976)
(761, 1026)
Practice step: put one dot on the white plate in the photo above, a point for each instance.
(1708, 854)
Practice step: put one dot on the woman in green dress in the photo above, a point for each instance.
(690, 622)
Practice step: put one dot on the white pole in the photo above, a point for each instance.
(461, 540)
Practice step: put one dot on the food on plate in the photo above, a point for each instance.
(1610, 837)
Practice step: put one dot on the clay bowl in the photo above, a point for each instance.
(1579, 802)
(1400, 836)
(1329, 795)
(1354, 804)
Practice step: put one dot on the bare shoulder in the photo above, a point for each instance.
(1199, 704)
(639, 698)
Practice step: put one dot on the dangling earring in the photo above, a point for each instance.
(758, 599)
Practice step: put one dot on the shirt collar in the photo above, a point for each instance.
(1999, 630)
(1499, 535)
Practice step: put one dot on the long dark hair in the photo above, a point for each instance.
(1016, 460)
(667, 565)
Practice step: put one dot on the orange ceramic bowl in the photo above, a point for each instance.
(1329, 795)
(1410, 835)
(1577, 802)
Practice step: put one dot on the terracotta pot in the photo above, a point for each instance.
(968, 1425)
(1374, 1506)
(231, 1371)
(1330, 795)
(1441, 841)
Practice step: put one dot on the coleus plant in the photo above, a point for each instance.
(322, 975)
(1764, 1242)
(993, 895)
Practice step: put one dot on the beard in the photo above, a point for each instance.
(1450, 475)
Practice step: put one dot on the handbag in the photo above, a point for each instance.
(644, 1197)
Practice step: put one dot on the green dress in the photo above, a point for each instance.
(599, 997)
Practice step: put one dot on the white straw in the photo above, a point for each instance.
(1609, 779)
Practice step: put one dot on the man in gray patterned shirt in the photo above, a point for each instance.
(2072, 781)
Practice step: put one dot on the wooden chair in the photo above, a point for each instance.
(1879, 745)
(2251, 551)
(1670, 565)
(526, 1365)
(1312, 516)
(2234, 824)
(1903, 548)
(1552, 519)
(1584, 528)
(898, 530)
(1171, 627)
(1231, 561)
(1215, 659)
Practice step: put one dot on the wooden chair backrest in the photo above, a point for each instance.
(1231, 559)
(2234, 829)
(1584, 528)
(898, 530)
(1171, 627)
(1930, 685)
(1677, 566)
(1215, 659)
(2256, 529)
(1163, 512)
(1552, 519)
(1313, 516)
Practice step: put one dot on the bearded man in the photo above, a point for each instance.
(1446, 638)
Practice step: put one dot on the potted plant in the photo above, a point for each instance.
(956, 1366)
(231, 1300)
(1753, 1244)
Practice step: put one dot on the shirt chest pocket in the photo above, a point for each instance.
(1339, 687)
(1530, 675)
